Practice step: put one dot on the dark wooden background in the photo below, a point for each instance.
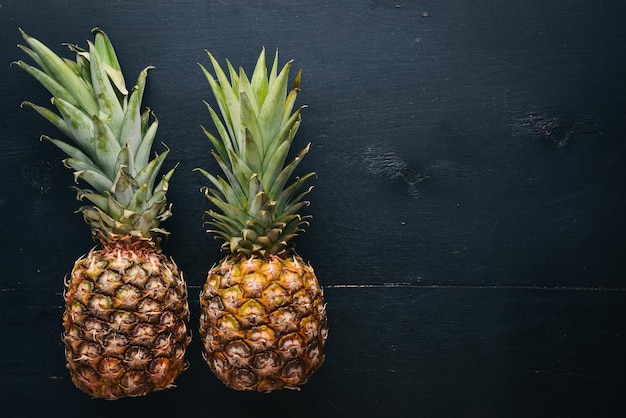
(468, 213)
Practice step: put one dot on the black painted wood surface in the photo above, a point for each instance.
(468, 212)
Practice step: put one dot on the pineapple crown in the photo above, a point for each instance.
(257, 210)
(110, 137)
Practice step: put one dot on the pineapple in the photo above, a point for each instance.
(126, 311)
(263, 318)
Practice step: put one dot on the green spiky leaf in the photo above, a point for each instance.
(256, 204)
(110, 136)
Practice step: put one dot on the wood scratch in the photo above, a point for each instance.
(446, 286)
(568, 373)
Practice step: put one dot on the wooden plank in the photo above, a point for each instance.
(480, 145)
(392, 351)
(468, 211)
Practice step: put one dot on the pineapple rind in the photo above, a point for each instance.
(263, 322)
(125, 307)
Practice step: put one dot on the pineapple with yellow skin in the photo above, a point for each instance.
(263, 318)
(126, 311)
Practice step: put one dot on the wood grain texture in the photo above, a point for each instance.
(468, 212)
(393, 351)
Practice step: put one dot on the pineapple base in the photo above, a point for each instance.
(263, 322)
(125, 321)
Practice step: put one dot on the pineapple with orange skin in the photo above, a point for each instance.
(263, 319)
(126, 311)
